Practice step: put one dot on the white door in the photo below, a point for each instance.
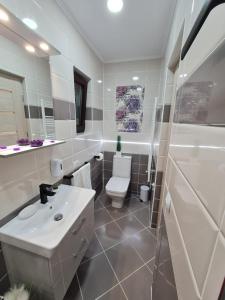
(13, 123)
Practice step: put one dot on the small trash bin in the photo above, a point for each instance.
(144, 193)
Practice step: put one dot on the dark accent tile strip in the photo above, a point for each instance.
(72, 111)
(49, 112)
(33, 112)
(158, 117)
(159, 177)
(88, 115)
(61, 109)
(166, 113)
(36, 113)
(94, 114)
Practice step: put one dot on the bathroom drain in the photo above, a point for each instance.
(58, 217)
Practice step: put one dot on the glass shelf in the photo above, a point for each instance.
(16, 149)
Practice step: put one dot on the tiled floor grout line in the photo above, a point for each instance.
(90, 258)
(126, 238)
(139, 255)
(99, 297)
(130, 213)
(132, 273)
(146, 227)
(148, 266)
(112, 268)
(79, 286)
(119, 283)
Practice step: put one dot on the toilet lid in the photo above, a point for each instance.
(117, 185)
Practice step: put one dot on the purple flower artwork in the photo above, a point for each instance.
(129, 108)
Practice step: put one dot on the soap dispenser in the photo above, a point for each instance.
(56, 167)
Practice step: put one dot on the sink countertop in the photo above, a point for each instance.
(40, 233)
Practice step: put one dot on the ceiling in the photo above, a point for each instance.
(139, 31)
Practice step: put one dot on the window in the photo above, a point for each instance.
(80, 84)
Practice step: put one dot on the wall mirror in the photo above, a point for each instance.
(26, 104)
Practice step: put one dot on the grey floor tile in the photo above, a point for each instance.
(98, 204)
(151, 265)
(138, 285)
(123, 259)
(117, 213)
(96, 277)
(93, 249)
(162, 290)
(153, 231)
(144, 243)
(143, 216)
(133, 203)
(114, 294)
(109, 235)
(102, 217)
(73, 292)
(129, 225)
(105, 200)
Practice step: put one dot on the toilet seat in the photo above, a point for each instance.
(117, 186)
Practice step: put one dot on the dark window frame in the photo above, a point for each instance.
(82, 80)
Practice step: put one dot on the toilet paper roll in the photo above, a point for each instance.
(101, 156)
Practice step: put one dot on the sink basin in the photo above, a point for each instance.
(44, 230)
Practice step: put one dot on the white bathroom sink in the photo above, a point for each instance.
(41, 233)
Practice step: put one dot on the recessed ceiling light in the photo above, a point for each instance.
(30, 48)
(109, 90)
(99, 81)
(115, 6)
(44, 46)
(183, 75)
(30, 23)
(3, 16)
(135, 78)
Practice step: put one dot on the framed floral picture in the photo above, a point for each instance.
(129, 108)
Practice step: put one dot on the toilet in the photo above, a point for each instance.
(117, 186)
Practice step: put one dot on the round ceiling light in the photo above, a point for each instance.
(3, 16)
(115, 6)
(30, 23)
(135, 78)
(44, 46)
(30, 48)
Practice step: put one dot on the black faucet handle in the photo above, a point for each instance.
(46, 190)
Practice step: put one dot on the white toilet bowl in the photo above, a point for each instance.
(118, 185)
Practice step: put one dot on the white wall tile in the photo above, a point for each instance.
(121, 74)
(216, 273)
(60, 88)
(185, 282)
(198, 151)
(194, 223)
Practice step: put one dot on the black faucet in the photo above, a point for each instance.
(45, 191)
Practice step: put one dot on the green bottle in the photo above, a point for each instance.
(118, 147)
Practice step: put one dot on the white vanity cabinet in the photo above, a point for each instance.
(49, 276)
